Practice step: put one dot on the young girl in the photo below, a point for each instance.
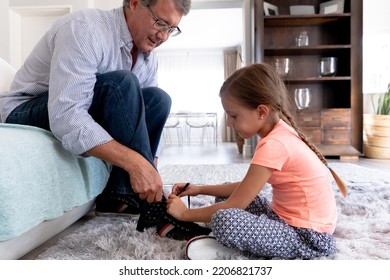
(301, 218)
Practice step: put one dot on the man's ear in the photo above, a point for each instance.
(133, 4)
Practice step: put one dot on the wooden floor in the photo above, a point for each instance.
(208, 153)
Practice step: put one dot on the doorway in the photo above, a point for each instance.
(192, 65)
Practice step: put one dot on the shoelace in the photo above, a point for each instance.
(186, 186)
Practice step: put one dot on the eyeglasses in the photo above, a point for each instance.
(162, 26)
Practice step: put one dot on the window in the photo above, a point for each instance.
(192, 79)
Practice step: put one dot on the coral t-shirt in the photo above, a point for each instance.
(302, 193)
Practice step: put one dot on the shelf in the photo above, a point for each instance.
(317, 79)
(330, 35)
(303, 20)
(307, 50)
(337, 150)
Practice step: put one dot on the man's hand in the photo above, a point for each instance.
(146, 181)
(144, 178)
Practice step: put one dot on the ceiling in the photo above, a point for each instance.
(208, 29)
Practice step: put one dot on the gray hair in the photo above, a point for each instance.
(183, 6)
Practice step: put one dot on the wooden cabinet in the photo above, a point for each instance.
(334, 117)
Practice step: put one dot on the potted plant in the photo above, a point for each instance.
(376, 126)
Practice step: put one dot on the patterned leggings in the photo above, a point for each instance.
(259, 231)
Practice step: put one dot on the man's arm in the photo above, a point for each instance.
(77, 57)
(144, 178)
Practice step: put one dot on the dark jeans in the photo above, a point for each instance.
(133, 116)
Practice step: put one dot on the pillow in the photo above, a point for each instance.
(7, 73)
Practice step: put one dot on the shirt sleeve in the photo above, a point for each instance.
(270, 153)
(75, 61)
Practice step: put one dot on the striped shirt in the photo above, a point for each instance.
(65, 63)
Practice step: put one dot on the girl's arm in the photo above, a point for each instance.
(244, 193)
(224, 190)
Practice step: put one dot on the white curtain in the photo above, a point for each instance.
(193, 79)
(232, 62)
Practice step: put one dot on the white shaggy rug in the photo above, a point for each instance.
(363, 230)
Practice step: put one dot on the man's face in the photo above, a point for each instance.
(146, 37)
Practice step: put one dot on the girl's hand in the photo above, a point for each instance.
(176, 207)
(192, 190)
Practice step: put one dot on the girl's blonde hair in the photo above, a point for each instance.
(260, 84)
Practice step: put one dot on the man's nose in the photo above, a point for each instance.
(163, 36)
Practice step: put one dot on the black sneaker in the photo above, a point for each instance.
(155, 215)
(110, 204)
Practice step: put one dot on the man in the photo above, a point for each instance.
(92, 80)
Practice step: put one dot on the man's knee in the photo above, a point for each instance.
(117, 78)
(157, 96)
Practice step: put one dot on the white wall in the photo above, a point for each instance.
(107, 4)
(23, 22)
(376, 50)
(4, 30)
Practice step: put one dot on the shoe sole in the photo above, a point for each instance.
(206, 247)
(106, 214)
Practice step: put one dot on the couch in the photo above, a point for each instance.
(43, 188)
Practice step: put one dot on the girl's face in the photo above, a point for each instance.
(245, 121)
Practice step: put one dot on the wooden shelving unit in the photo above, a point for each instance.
(340, 96)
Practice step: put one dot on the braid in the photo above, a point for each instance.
(309, 143)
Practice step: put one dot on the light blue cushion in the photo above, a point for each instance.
(39, 180)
